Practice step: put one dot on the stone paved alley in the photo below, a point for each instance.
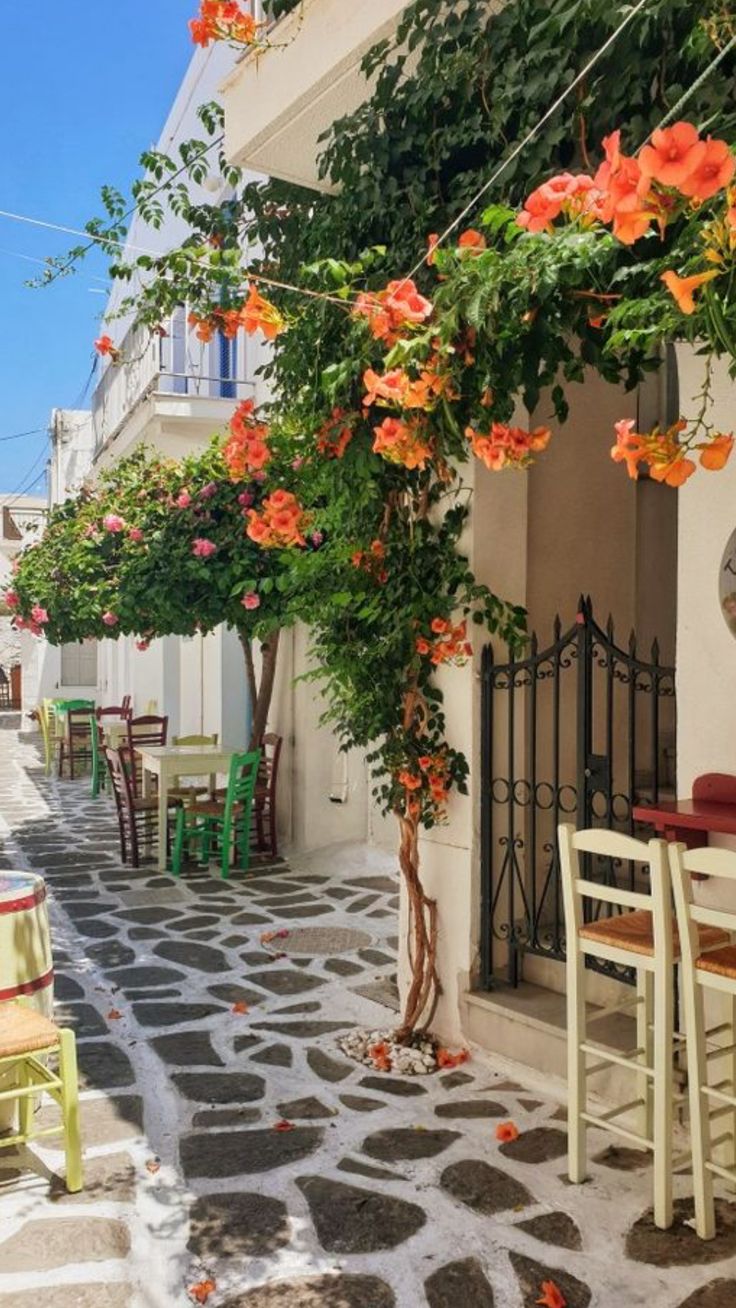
(387, 1192)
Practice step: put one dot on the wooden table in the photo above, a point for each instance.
(166, 762)
(114, 731)
(688, 820)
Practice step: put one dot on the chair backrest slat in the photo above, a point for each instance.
(242, 780)
(147, 730)
(709, 862)
(612, 894)
(614, 845)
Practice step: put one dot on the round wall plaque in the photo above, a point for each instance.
(727, 584)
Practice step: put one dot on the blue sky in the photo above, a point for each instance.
(83, 89)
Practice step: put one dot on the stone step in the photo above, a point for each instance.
(528, 1025)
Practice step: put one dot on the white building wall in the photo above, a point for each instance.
(706, 648)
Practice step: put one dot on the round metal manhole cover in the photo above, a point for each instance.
(323, 940)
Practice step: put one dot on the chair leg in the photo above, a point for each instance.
(178, 851)
(70, 1111)
(25, 1103)
(663, 1090)
(645, 1042)
(576, 1078)
(228, 836)
(697, 1075)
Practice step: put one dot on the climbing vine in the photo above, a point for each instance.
(384, 384)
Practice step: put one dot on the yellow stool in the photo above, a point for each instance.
(24, 1036)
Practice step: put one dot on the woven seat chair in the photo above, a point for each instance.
(147, 730)
(75, 746)
(645, 939)
(25, 1038)
(712, 1093)
(221, 823)
(137, 817)
(264, 800)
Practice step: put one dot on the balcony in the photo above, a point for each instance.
(170, 391)
(278, 103)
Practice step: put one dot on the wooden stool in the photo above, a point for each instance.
(646, 940)
(24, 1036)
(716, 971)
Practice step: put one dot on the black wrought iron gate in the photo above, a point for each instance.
(580, 732)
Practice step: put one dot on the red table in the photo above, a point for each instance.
(689, 820)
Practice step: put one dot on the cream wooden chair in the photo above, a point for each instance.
(645, 939)
(701, 971)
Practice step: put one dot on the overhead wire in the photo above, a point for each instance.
(497, 173)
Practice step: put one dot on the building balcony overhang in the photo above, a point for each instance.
(280, 101)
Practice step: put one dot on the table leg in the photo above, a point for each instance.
(163, 813)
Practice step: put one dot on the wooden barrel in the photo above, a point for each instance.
(26, 966)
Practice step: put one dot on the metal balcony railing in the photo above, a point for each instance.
(173, 363)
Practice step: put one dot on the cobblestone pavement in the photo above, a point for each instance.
(387, 1192)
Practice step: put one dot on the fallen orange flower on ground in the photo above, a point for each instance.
(552, 1296)
(202, 1291)
(506, 1132)
(240, 1006)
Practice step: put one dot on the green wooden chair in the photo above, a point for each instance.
(99, 768)
(224, 822)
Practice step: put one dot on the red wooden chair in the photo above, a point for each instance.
(111, 711)
(715, 788)
(147, 730)
(75, 746)
(264, 802)
(137, 817)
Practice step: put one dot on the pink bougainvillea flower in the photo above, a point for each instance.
(251, 600)
(203, 548)
(246, 499)
(684, 288)
(39, 615)
(142, 645)
(183, 500)
(11, 599)
(136, 535)
(208, 491)
(113, 522)
(714, 171)
(317, 538)
(674, 153)
(110, 619)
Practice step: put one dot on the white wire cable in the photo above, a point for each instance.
(532, 133)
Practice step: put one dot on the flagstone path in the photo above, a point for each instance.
(387, 1192)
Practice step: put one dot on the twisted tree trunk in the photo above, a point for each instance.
(425, 988)
(261, 693)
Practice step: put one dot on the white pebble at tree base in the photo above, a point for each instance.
(417, 1058)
